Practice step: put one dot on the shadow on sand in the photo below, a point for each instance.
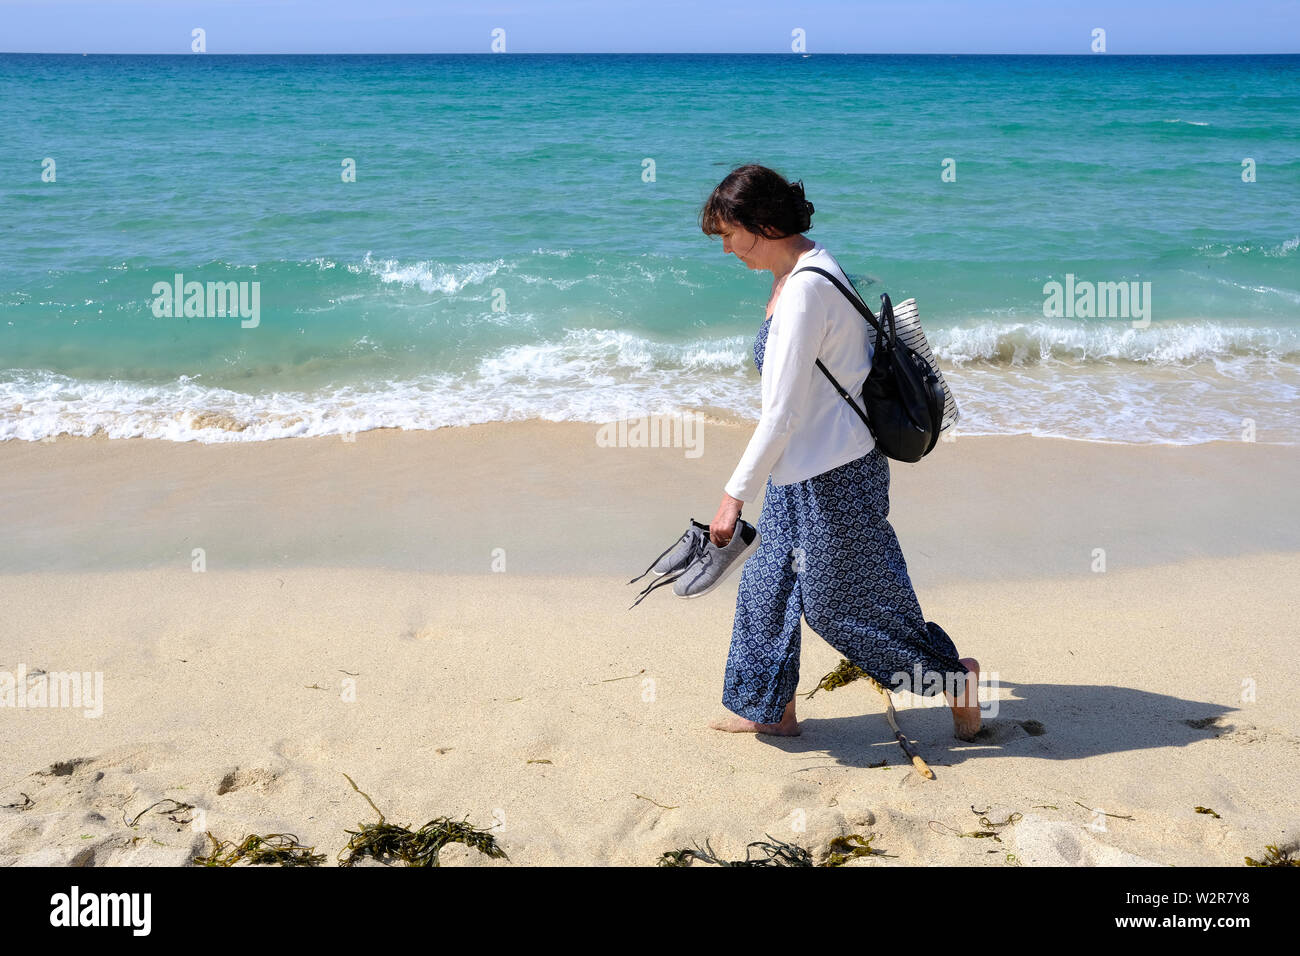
(1100, 719)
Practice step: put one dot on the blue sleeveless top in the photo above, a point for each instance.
(760, 344)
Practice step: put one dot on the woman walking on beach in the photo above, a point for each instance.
(827, 551)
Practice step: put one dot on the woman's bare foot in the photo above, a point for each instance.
(788, 727)
(966, 712)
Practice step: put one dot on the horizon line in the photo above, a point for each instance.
(1097, 56)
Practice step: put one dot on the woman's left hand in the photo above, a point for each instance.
(723, 525)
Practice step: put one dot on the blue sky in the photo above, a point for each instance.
(651, 26)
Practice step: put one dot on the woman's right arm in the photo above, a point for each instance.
(795, 338)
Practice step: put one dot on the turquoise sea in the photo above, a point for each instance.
(501, 254)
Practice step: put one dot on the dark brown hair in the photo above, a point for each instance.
(761, 200)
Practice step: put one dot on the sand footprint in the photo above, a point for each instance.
(240, 778)
(1001, 731)
(1243, 732)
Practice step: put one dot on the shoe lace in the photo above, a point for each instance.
(699, 551)
(686, 535)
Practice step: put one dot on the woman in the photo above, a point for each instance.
(827, 551)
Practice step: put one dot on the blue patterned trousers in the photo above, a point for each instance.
(829, 554)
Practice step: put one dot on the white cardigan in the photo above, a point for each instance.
(806, 428)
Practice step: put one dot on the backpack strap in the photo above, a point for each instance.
(845, 395)
(866, 314)
(853, 297)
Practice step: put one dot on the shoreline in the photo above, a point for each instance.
(712, 418)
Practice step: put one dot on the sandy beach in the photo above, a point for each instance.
(443, 616)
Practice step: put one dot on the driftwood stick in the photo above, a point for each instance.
(846, 673)
(920, 765)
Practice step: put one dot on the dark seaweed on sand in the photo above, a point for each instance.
(175, 808)
(282, 849)
(386, 841)
(845, 848)
(1275, 857)
(775, 853)
(389, 841)
(989, 827)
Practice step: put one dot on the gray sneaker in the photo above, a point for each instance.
(679, 555)
(715, 564)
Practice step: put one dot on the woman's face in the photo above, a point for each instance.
(747, 246)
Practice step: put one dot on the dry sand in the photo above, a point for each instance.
(350, 620)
